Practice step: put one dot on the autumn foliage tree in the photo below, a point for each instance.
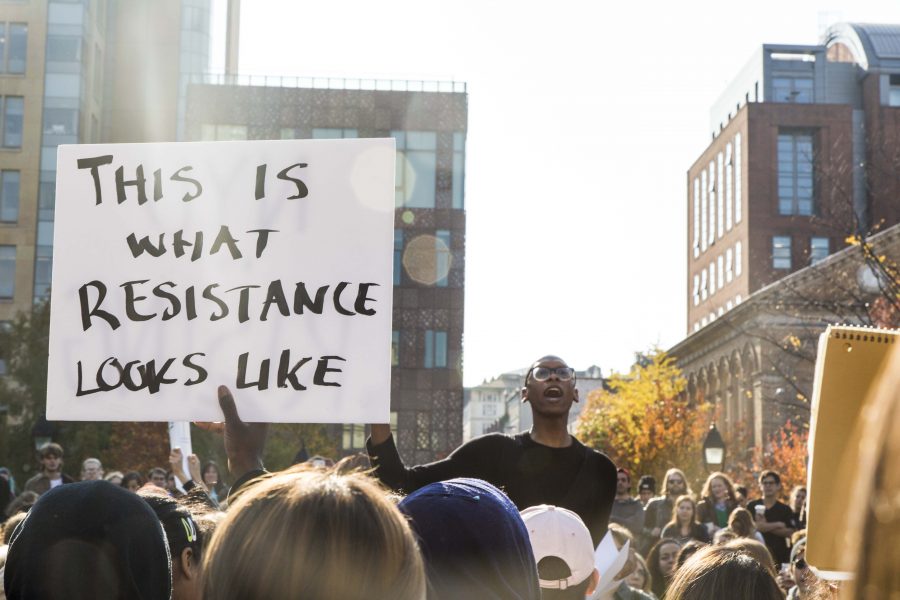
(786, 452)
(644, 421)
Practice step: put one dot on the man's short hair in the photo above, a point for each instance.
(772, 474)
(156, 471)
(51, 449)
(94, 461)
(561, 534)
(624, 470)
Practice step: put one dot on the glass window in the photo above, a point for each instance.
(63, 48)
(712, 203)
(712, 278)
(720, 271)
(704, 201)
(423, 430)
(395, 348)
(459, 168)
(490, 410)
(398, 255)
(416, 168)
(9, 196)
(443, 257)
(696, 211)
(729, 265)
(323, 133)
(720, 197)
(729, 188)
(3, 43)
(62, 85)
(797, 89)
(704, 290)
(738, 180)
(435, 349)
(795, 173)
(60, 121)
(696, 295)
(354, 437)
(219, 132)
(894, 91)
(7, 271)
(818, 249)
(738, 259)
(781, 252)
(13, 111)
(43, 262)
(17, 48)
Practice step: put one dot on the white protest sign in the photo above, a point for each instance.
(264, 266)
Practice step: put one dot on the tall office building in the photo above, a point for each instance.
(428, 122)
(804, 153)
(81, 71)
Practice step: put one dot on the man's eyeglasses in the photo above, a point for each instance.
(770, 482)
(544, 373)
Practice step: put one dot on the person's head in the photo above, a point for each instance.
(51, 456)
(550, 388)
(723, 572)
(157, 476)
(132, 481)
(800, 571)
(88, 540)
(740, 521)
(563, 551)
(21, 503)
(718, 488)
(210, 473)
(10, 525)
(639, 578)
(798, 497)
(688, 550)
(313, 533)
(91, 469)
(623, 482)
(684, 511)
(661, 561)
(755, 549)
(675, 484)
(646, 488)
(741, 495)
(185, 544)
(723, 536)
(114, 477)
(171, 484)
(770, 484)
(473, 541)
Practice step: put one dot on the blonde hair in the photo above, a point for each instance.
(674, 471)
(314, 534)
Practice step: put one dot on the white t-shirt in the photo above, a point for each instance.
(55, 482)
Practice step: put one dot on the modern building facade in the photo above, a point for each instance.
(429, 126)
(804, 153)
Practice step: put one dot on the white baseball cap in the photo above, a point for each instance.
(559, 532)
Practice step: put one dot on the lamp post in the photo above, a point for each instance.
(713, 450)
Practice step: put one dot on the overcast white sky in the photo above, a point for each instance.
(582, 124)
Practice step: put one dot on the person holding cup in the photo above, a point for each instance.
(774, 519)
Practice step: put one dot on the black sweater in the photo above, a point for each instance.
(528, 472)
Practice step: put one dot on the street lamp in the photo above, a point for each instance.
(41, 433)
(713, 449)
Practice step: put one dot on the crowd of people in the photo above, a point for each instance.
(505, 517)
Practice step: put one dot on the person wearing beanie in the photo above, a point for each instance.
(89, 540)
(473, 542)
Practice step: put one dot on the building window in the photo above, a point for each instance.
(729, 305)
(704, 291)
(729, 265)
(7, 272)
(395, 348)
(443, 257)
(43, 262)
(738, 180)
(696, 327)
(416, 168)
(333, 133)
(13, 111)
(729, 188)
(219, 132)
(712, 278)
(737, 299)
(398, 255)
(703, 322)
(795, 173)
(696, 243)
(720, 270)
(894, 90)
(696, 295)
(459, 169)
(738, 260)
(704, 211)
(435, 349)
(720, 207)
(9, 196)
(712, 202)
(490, 410)
(354, 437)
(818, 249)
(13, 47)
(781, 252)
(797, 89)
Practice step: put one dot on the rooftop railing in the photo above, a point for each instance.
(329, 83)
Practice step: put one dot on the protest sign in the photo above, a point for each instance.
(264, 266)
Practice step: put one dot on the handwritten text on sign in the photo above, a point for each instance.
(265, 266)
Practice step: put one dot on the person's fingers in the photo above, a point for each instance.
(229, 409)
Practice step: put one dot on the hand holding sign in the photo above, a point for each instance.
(244, 442)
